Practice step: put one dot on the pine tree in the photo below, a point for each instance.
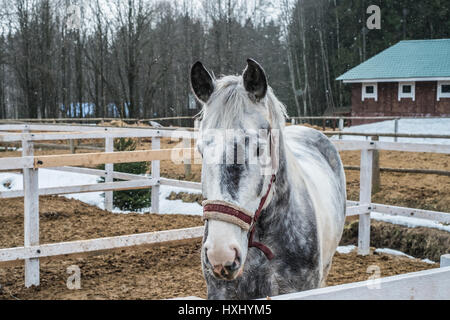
(130, 200)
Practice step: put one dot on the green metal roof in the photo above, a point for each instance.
(406, 59)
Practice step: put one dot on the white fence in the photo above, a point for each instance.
(30, 164)
(431, 284)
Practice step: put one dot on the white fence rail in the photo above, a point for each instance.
(431, 284)
(30, 164)
(83, 246)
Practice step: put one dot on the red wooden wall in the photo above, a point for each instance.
(424, 105)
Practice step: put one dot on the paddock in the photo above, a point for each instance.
(32, 251)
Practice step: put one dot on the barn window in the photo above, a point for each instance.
(443, 90)
(406, 90)
(369, 91)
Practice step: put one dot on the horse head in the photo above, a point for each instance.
(238, 140)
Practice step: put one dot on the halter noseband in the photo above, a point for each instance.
(227, 212)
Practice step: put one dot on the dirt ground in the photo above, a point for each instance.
(174, 270)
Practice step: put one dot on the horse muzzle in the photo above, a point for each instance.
(230, 271)
(228, 212)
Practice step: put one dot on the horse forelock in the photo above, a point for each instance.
(230, 106)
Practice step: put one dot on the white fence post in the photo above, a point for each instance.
(365, 196)
(445, 260)
(395, 129)
(31, 215)
(293, 122)
(109, 168)
(187, 158)
(341, 127)
(156, 145)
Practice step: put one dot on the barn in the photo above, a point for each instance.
(408, 79)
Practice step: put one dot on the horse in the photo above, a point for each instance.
(275, 195)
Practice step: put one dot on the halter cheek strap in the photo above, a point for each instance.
(224, 211)
(269, 254)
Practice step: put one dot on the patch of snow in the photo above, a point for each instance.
(409, 222)
(428, 261)
(155, 124)
(400, 253)
(393, 252)
(178, 206)
(410, 126)
(346, 249)
(351, 248)
(52, 178)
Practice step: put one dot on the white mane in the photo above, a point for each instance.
(230, 104)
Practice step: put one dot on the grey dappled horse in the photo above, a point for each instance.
(276, 196)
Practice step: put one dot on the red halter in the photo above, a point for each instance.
(220, 210)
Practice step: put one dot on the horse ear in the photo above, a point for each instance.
(201, 82)
(255, 80)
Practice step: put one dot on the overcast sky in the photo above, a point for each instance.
(269, 11)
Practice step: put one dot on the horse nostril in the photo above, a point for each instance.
(238, 257)
(232, 267)
(237, 253)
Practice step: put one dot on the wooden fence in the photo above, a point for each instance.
(32, 250)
